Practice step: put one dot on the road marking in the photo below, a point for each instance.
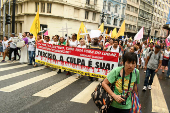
(13, 67)
(20, 73)
(27, 82)
(7, 63)
(85, 95)
(56, 87)
(158, 101)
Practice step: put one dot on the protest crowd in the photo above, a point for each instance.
(146, 54)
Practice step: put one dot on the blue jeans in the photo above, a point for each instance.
(31, 56)
(168, 72)
(149, 73)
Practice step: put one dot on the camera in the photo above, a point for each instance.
(124, 102)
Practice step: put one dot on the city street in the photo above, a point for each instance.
(24, 89)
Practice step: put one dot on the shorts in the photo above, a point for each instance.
(164, 62)
(1, 48)
(4, 50)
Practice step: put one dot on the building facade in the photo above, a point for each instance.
(160, 16)
(55, 14)
(145, 16)
(114, 11)
(131, 19)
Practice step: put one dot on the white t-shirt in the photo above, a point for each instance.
(12, 44)
(71, 43)
(31, 43)
(5, 44)
(52, 42)
(84, 46)
(166, 54)
(110, 48)
(130, 43)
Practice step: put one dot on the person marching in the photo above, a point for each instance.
(31, 49)
(152, 64)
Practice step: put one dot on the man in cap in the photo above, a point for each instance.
(153, 64)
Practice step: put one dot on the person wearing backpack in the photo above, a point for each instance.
(124, 79)
(152, 65)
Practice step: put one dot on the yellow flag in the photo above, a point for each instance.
(114, 33)
(101, 28)
(151, 40)
(82, 29)
(35, 28)
(130, 38)
(121, 30)
(106, 32)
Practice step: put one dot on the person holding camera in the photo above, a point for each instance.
(124, 78)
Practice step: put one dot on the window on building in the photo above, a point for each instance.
(132, 9)
(20, 27)
(104, 5)
(127, 17)
(121, 21)
(94, 16)
(116, 7)
(16, 12)
(115, 22)
(109, 6)
(128, 7)
(137, 1)
(16, 28)
(130, 27)
(21, 8)
(88, 2)
(134, 28)
(42, 7)
(36, 6)
(123, 10)
(126, 26)
(86, 15)
(49, 7)
(109, 20)
(95, 2)
(136, 10)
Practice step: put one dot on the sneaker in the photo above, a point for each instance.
(144, 88)
(149, 87)
(3, 61)
(144, 71)
(14, 61)
(9, 61)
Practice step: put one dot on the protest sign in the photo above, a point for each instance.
(87, 62)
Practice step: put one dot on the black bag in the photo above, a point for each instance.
(101, 98)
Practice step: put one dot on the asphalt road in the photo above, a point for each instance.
(19, 83)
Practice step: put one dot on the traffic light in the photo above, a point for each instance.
(8, 19)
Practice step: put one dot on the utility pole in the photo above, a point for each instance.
(13, 17)
(4, 18)
(9, 24)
